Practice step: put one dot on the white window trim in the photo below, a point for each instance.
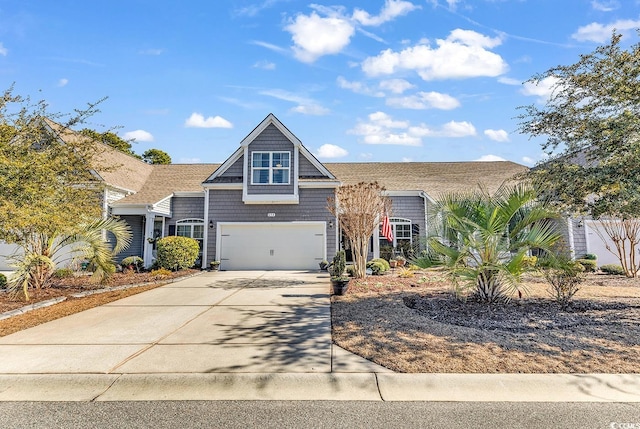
(191, 223)
(398, 221)
(271, 168)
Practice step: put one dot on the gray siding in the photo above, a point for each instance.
(579, 237)
(411, 208)
(227, 206)
(308, 170)
(137, 237)
(235, 171)
(271, 139)
(185, 208)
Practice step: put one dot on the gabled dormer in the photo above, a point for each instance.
(270, 166)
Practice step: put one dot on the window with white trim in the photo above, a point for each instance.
(270, 168)
(192, 228)
(403, 233)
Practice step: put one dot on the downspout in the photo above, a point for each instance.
(572, 245)
(206, 228)
(148, 238)
(426, 219)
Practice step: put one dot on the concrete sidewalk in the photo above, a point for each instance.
(243, 335)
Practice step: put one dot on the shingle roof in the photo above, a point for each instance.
(164, 180)
(114, 167)
(434, 178)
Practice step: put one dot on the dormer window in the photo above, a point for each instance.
(270, 168)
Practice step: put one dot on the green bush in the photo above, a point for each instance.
(177, 253)
(377, 268)
(339, 265)
(529, 261)
(3, 281)
(590, 256)
(612, 269)
(564, 276)
(589, 265)
(384, 262)
(351, 270)
(63, 273)
(133, 262)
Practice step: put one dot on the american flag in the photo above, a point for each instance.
(386, 229)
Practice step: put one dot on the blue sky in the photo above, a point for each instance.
(376, 80)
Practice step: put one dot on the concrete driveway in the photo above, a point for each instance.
(218, 322)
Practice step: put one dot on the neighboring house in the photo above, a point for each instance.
(265, 207)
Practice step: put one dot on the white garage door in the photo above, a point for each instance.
(271, 245)
(597, 246)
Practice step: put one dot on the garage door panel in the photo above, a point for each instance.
(272, 246)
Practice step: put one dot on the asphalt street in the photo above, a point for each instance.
(317, 414)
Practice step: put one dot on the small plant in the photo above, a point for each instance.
(214, 265)
(590, 256)
(63, 273)
(377, 268)
(338, 267)
(400, 260)
(589, 265)
(382, 261)
(323, 265)
(177, 253)
(564, 276)
(405, 272)
(133, 263)
(529, 261)
(351, 270)
(612, 269)
(160, 274)
(3, 281)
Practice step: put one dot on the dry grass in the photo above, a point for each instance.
(416, 325)
(72, 305)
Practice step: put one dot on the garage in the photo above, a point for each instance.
(271, 245)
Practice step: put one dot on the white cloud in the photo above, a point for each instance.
(497, 135)
(63, 82)
(138, 135)
(3, 51)
(314, 36)
(490, 158)
(425, 100)
(543, 90)
(605, 6)
(383, 129)
(331, 151)
(270, 46)
(509, 81)
(265, 65)
(311, 109)
(358, 87)
(391, 9)
(396, 86)
(463, 54)
(599, 33)
(528, 160)
(196, 120)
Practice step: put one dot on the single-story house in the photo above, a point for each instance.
(265, 207)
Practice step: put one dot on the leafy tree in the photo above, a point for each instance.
(110, 139)
(591, 124)
(47, 188)
(359, 209)
(483, 240)
(156, 156)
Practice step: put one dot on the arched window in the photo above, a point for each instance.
(403, 232)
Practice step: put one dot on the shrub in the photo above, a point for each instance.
(564, 277)
(3, 281)
(590, 256)
(133, 262)
(339, 265)
(529, 261)
(177, 253)
(405, 272)
(377, 268)
(63, 273)
(351, 270)
(160, 274)
(612, 269)
(384, 263)
(589, 265)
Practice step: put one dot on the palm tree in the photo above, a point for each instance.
(483, 240)
(41, 252)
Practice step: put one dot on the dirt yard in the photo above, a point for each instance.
(416, 325)
(139, 282)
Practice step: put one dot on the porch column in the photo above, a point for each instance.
(148, 235)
